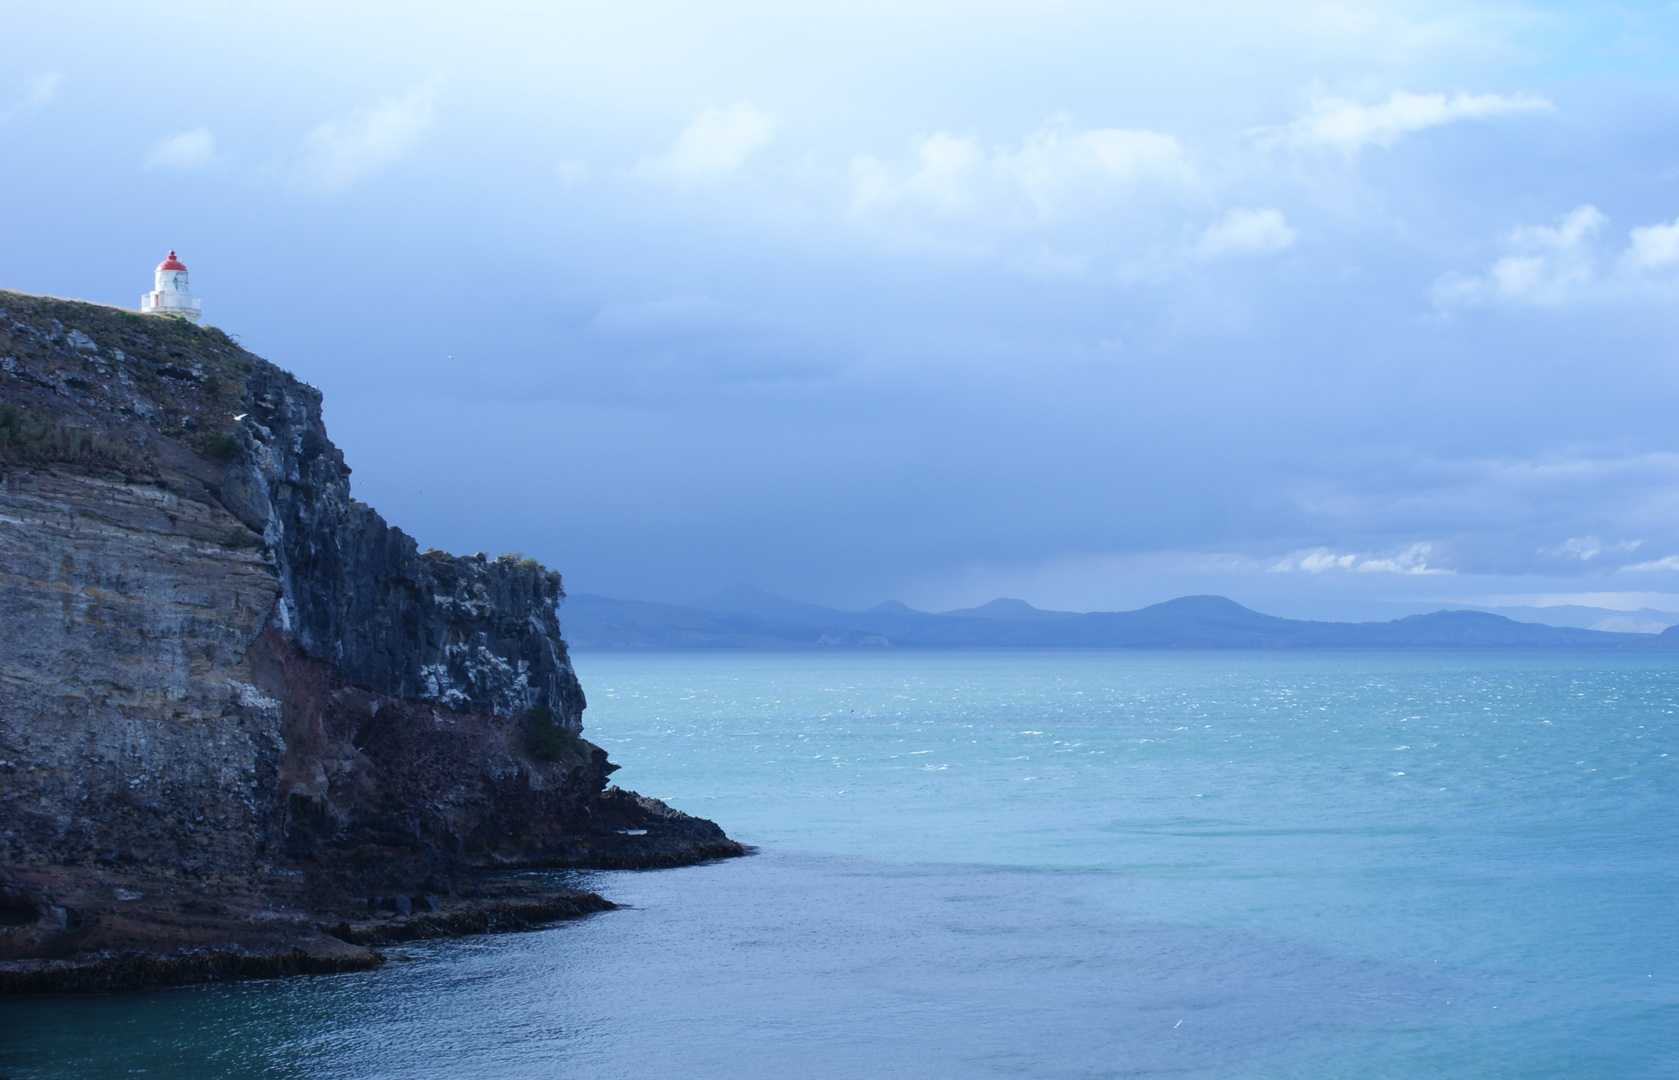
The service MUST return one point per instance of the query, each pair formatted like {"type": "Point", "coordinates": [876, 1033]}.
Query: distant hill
{"type": "Point", "coordinates": [748, 618]}
{"type": "Point", "coordinates": [1010, 610]}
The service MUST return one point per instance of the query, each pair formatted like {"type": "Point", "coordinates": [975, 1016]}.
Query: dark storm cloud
{"type": "Point", "coordinates": [1096, 304]}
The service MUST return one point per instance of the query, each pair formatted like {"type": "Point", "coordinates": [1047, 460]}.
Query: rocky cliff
{"type": "Point", "coordinates": [245, 725]}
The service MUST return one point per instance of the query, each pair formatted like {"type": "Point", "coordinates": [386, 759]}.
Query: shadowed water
{"type": "Point", "coordinates": [1047, 865]}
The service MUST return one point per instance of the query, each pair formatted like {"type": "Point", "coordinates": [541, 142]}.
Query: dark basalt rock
{"type": "Point", "coordinates": [235, 703]}
{"type": "Point", "coordinates": [473, 634]}
{"type": "Point", "coordinates": [101, 974]}
{"type": "Point", "coordinates": [499, 915]}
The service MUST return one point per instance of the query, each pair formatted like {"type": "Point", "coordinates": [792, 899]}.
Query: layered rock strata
{"type": "Point", "coordinates": [238, 711]}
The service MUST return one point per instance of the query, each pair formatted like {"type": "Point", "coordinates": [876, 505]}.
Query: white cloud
{"type": "Point", "coordinates": [1316, 562]}
{"type": "Point", "coordinates": [1413, 560]}
{"type": "Point", "coordinates": [1587, 548]}
{"type": "Point", "coordinates": [1544, 264]}
{"type": "Point", "coordinates": [187, 150]}
{"type": "Point", "coordinates": [1575, 226]}
{"type": "Point", "coordinates": [715, 142]}
{"type": "Point", "coordinates": [352, 147]}
{"type": "Point", "coordinates": [1055, 172]}
{"type": "Point", "coordinates": [1243, 231]}
{"type": "Point", "coordinates": [1057, 164]}
{"type": "Point", "coordinates": [40, 93]}
{"type": "Point", "coordinates": [1584, 548]}
{"type": "Point", "coordinates": [944, 177]}
{"type": "Point", "coordinates": [1653, 247]}
{"type": "Point", "coordinates": [1347, 126]}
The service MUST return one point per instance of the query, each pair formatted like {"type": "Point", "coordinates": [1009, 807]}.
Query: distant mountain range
{"type": "Point", "coordinates": [749, 618]}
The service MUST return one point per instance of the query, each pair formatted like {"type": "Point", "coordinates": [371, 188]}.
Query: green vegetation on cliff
{"type": "Point", "coordinates": [27, 439]}
{"type": "Point", "coordinates": [95, 386]}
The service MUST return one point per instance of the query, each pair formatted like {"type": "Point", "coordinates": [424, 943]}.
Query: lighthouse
{"type": "Point", "coordinates": [169, 294]}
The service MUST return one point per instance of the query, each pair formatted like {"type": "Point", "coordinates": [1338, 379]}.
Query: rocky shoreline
{"type": "Point", "coordinates": [318, 950]}
{"type": "Point", "coordinates": [109, 927]}
{"type": "Point", "coordinates": [247, 728]}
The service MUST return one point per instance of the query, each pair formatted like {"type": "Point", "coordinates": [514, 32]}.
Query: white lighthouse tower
{"type": "Point", "coordinates": [169, 295]}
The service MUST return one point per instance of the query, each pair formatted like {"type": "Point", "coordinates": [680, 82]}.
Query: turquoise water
{"type": "Point", "coordinates": [1047, 865]}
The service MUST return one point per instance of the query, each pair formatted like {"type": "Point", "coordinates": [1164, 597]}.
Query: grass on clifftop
{"type": "Point", "coordinates": [26, 439]}
{"type": "Point", "coordinates": [122, 370]}
{"type": "Point", "coordinates": [529, 565]}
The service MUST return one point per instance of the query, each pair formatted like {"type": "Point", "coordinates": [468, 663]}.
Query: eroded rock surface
{"type": "Point", "coordinates": [237, 707]}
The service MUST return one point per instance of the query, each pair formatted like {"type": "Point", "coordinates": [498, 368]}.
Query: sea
{"type": "Point", "coordinates": [1045, 864]}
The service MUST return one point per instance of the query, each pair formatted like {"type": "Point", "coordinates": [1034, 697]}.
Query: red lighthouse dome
{"type": "Point", "coordinates": [169, 295]}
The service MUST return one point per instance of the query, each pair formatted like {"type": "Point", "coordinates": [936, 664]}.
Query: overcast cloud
{"type": "Point", "coordinates": [1318, 307]}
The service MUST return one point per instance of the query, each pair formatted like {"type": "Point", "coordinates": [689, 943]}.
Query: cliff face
{"type": "Point", "coordinates": [225, 682]}
{"type": "Point", "coordinates": [470, 634]}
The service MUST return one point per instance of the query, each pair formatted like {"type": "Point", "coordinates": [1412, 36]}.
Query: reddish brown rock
{"type": "Point", "coordinates": [236, 706]}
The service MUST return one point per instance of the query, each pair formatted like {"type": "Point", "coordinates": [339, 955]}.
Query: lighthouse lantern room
{"type": "Point", "coordinates": [169, 295]}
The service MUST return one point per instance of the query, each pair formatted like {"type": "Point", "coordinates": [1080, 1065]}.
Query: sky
{"type": "Point", "coordinates": [1329, 308]}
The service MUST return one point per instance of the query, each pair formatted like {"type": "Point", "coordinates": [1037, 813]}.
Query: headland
{"type": "Point", "coordinates": [247, 727]}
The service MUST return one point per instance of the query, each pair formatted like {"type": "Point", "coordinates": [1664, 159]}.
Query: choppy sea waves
{"type": "Point", "coordinates": [1047, 865]}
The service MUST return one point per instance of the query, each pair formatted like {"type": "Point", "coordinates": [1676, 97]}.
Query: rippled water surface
{"type": "Point", "coordinates": [1047, 865]}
